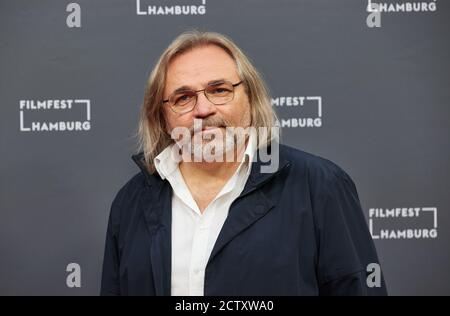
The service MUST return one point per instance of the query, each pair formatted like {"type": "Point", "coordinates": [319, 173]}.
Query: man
{"type": "Point", "coordinates": [191, 225]}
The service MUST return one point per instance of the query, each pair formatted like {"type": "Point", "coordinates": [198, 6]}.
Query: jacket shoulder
{"type": "Point", "coordinates": [136, 182]}
{"type": "Point", "coordinates": [126, 195]}
{"type": "Point", "coordinates": [319, 171]}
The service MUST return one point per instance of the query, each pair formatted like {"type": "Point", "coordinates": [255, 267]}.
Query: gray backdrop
{"type": "Point", "coordinates": [382, 93]}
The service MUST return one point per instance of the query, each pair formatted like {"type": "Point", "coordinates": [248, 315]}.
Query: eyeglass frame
{"type": "Point", "coordinates": [204, 92]}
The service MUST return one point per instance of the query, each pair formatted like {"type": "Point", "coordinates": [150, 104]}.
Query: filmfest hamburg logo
{"type": "Point", "coordinates": [310, 108]}
{"type": "Point", "coordinates": [401, 6]}
{"type": "Point", "coordinates": [47, 115]}
{"type": "Point", "coordinates": [194, 8]}
{"type": "Point", "coordinates": [403, 223]}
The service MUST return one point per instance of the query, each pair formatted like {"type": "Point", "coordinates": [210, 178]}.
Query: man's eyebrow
{"type": "Point", "coordinates": [210, 83]}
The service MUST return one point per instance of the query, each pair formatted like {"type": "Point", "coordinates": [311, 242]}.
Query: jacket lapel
{"type": "Point", "coordinates": [244, 212]}
{"type": "Point", "coordinates": [158, 217]}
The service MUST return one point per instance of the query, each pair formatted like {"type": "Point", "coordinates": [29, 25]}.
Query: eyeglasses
{"type": "Point", "coordinates": [217, 93]}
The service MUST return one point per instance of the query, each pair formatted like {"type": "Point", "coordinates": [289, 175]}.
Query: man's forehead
{"type": "Point", "coordinates": [200, 67]}
{"type": "Point", "coordinates": [214, 82]}
{"type": "Point", "coordinates": [199, 75]}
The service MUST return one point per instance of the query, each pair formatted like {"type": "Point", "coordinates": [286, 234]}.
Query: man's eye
{"type": "Point", "coordinates": [183, 98]}
{"type": "Point", "coordinates": [220, 90]}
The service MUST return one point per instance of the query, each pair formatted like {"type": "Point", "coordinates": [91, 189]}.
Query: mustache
{"type": "Point", "coordinates": [213, 121]}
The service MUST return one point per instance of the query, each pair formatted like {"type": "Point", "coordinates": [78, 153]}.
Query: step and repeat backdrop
{"type": "Point", "coordinates": [362, 83]}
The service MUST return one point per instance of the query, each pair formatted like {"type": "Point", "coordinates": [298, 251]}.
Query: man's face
{"type": "Point", "coordinates": [195, 69]}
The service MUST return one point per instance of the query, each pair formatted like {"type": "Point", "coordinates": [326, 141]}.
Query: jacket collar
{"type": "Point", "coordinates": [256, 177]}
{"type": "Point", "coordinates": [157, 208]}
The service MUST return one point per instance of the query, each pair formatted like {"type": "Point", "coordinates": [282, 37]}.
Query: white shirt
{"type": "Point", "coordinates": [193, 233]}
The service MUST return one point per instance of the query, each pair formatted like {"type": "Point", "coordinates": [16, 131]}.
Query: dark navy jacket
{"type": "Point", "coordinates": [297, 231]}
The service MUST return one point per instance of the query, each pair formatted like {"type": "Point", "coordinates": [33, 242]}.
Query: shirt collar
{"type": "Point", "coordinates": [165, 164]}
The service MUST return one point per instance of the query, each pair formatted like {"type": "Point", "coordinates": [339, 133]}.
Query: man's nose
{"type": "Point", "coordinates": [204, 107]}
